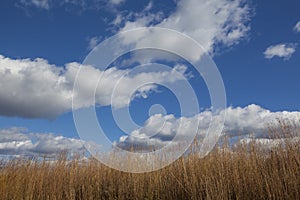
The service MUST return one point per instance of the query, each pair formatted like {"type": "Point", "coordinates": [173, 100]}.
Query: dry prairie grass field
{"type": "Point", "coordinates": [245, 171]}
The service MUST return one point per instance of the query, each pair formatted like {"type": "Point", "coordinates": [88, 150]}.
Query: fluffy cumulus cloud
{"type": "Point", "coordinates": [297, 27]}
{"type": "Point", "coordinates": [248, 122]}
{"type": "Point", "coordinates": [284, 51]}
{"type": "Point", "coordinates": [37, 89]}
{"type": "Point", "coordinates": [20, 142]}
{"type": "Point", "coordinates": [33, 88]}
{"type": "Point", "coordinates": [209, 22]}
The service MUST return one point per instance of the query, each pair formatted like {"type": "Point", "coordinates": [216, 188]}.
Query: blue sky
{"type": "Point", "coordinates": [255, 46]}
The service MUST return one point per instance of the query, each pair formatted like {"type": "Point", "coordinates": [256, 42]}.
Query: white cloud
{"type": "Point", "coordinates": [33, 88]}
{"type": "Point", "coordinates": [116, 2]}
{"type": "Point", "coordinates": [37, 89]}
{"type": "Point", "coordinates": [244, 122]}
{"type": "Point", "coordinates": [68, 5]}
{"type": "Point", "coordinates": [93, 42]}
{"type": "Point", "coordinates": [43, 4]}
{"type": "Point", "coordinates": [266, 144]}
{"type": "Point", "coordinates": [149, 6]}
{"type": "Point", "coordinates": [208, 22]}
{"type": "Point", "coordinates": [297, 27]}
{"type": "Point", "coordinates": [251, 123]}
{"type": "Point", "coordinates": [280, 50]}
{"type": "Point", "coordinates": [117, 21]}
{"type": "Point", "coordinates": [18, 141]}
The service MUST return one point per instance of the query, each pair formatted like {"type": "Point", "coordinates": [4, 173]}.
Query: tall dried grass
{"type": "Point", "coordinates": [247, 172]}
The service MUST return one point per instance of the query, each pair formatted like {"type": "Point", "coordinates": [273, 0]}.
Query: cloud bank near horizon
{"type": "Point", "coordinates": [16, 141]}
{"type": "Point", "coordinates": [251, 121]}
{"type": "Point", "coordinates": [248, 123]}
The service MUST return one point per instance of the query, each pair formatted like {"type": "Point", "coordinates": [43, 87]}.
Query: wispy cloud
{"type": "Point", "coordinates": [297, 27]}
{"type": "Point", "coordinates": [116, 2]}
{"type": "Point", "coordinates": [42, 4]}
{"type": "Point", "coordinates": [93, 41]}
{"type": "Point", "coordinates": [284, 51]}
{"type": "Point", "coordinates": [80, 5]}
